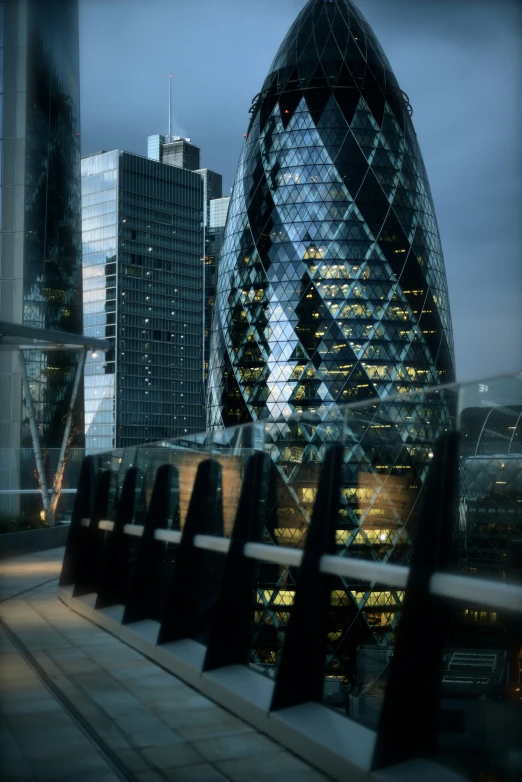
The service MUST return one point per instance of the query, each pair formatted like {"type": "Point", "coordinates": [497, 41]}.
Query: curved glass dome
{"type": "Point", "coordinates": [331, 283]}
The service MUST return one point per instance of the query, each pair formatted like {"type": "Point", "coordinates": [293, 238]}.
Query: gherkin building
{"type": "Point", "coordinates": [332, 257]}
{"type": "Point", "coordinates": [331, 290]}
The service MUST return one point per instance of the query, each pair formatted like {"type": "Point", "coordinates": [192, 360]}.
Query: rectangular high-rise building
{"type": "Point", "coordinates": [212, 188]}
{"type": "Point", "coordinates": [174, 151]}
{"type": "Point", "coordinates": [214, 216]}
{"type": "Point", "coordinates": [143, 291]}
{"type": "Point", "coordinates": [40, 257]}
{"type": "Point", "coordinates": [214, 235]}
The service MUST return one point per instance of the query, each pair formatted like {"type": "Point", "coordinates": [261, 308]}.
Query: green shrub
{"type": "Point", "coordinates": [18, 522]}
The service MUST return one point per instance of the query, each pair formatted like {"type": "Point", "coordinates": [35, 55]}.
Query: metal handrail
{"type": "Point", "coordinates": [478, 591]}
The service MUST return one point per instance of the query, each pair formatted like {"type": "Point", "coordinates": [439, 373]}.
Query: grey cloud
{"type": "Point", "coordinates": [458, 60]}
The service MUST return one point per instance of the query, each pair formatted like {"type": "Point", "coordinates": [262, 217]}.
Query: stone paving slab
{"type": "Point", "coordinates": [30, 571]}
{"type": "Point", "coordinates": [38, 740]}
{"type": "Point", "coordinates": [154, 725]}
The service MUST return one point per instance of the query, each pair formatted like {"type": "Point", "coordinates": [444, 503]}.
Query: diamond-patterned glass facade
{"type": "Point", "coordinates": [332, 289]}
{"type": "Point", "coordinates": [332, 285]}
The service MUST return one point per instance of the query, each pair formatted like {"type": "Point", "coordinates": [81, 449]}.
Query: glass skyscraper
{"type": "Point", "coordinates": [182, 154]}
{"type": "Point", "coordinates": [212, 189]}
{"type": "Point", "coordinates": [332, 285]}
{"type": "Point", "coordinates": [214, 235]}
{"type": "Point", "coordinates": [332, 289]}
{"type": "Point", "coordinates": [218, 211]}
{"type": "Point", "coordinates": [40, 261]}
{"type": "Point", "coordinates": [143, 291]}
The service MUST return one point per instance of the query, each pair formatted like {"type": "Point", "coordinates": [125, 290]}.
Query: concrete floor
{"type": "Point", "coordinates": [77, 704]}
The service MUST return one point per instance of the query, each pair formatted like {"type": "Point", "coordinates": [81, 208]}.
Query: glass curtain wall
{"type": "Point", "coordinates": [160, 321]}
{"type": "Point", "coordinates": [52, 253]}
{"type": "Point", "coordinates": [100, 263]}
{"type": "Point", "coordinates": [332, 286]}
{"type": "Point", "coordinates": [143, 279]}
{"type": "Point", "coordinates": [214, 236]}
{"type": "Point", "coordinates": [40, 266]}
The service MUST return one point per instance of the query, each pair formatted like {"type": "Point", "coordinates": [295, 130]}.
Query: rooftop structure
{"type": "Point", "coordinates": [174, 151]}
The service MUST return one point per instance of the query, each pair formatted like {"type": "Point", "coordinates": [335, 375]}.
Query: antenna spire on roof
{"type": "Point", "coordinates": [170, 108]}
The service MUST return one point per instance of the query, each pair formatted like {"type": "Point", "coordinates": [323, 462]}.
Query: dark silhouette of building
{"type": "Point", "coordinates": [40, 266]}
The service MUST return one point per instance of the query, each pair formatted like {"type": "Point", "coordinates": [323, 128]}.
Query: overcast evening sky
{"type": "Point", "coordinates": [460, 62]}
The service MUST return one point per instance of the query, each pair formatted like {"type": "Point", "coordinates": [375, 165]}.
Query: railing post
{"type": "Point", "coordinates": [113, 574]}
{"type": "Point", "coordinates": [414, 683]}
{"type": "Point", "coordinates": [91, 539]}
{"type": "Point", "coordinates": [83, 502]}
{"type": "Point", "coordinates": [192, 595]}
{"type": "Point", "coordinates": [300, 677]}
{"type": "Point", "coordinates": [229, 635]}
{"type": "Point", "coordinates": [142, 595]}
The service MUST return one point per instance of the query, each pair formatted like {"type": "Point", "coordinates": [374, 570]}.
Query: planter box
{"type": "Point", "coordinates": [13, 544]}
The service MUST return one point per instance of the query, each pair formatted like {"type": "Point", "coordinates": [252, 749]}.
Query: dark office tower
{"type": "Point", "coordinates": [182, 154]}
{"type": "Point", "coordinates": [174, 151]}
{"type": "Point", "coordinates": [143, 291]}
{"type": "Point", "coordinates": [212, 188]}
{"type": "Point", "coordinates": [332, 286]}
{"type": "Point", "coordinates": [214, 235]}
{"type": "Point", "coordinates": [40, 266]}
